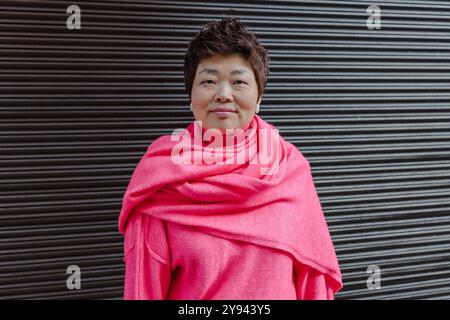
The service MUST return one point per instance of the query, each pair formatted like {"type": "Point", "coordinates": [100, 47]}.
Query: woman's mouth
{"type": "Point", "coordinates": [223, 112]}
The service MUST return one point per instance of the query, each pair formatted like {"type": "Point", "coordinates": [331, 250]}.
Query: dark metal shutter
{"type": "Point", "coordinates": [368, 108]}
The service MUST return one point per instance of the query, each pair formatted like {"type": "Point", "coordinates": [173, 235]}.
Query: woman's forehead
{"type": "Point", "coordinates": [233, 65]}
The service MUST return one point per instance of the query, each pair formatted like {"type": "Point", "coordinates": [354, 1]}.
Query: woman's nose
{"type": "Point", "coordinates": [224, 92]}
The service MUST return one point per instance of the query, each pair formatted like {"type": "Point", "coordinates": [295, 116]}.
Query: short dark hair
{"type": "Point", "coordinates": [226, 37]}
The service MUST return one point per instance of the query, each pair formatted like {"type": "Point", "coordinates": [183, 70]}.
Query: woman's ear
{"type": "Point", "coordinates": [257, 105]}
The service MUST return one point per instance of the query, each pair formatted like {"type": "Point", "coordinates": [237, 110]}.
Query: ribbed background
{"type": "Point", "coordinates": [369, 109]}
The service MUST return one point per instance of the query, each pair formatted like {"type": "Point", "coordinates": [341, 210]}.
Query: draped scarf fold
{"type": "Point", "coordinates": [258, 189]}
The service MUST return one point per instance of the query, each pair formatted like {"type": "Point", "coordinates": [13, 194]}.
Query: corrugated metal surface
{"type": "Point", "coordinates": [368, 108]}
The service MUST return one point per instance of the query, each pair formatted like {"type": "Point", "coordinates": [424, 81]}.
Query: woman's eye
{"type": "Point", "coordinates": [240, 82]}
{"type": "Point", "coordinates": [207, 82]}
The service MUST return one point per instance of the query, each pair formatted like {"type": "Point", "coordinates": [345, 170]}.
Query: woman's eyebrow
{"type": "Point", "coordinates": [239, 71]}
{"type": "Point", "coordinates": [213, 71]}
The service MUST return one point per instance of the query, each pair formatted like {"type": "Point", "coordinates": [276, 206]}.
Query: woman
{"type": "Point", "coordinates": [226, 209]}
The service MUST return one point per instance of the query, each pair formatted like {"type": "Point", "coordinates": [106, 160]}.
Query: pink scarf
{"type": "Point", "coordinates": [259, 190]}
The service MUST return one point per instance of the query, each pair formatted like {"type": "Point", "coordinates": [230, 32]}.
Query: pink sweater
{"type": "Point", "coordinates": [166, 260]}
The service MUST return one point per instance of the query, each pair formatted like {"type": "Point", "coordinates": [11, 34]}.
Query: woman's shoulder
{"type": "Point", "coordinates": [295, 154]}
{"type": "Point", "coordinates": [160, 141]}
{"type": "Point", "coordinates": [162, 144]}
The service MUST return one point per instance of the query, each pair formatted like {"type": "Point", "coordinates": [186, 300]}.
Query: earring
{"type": "Point", "coordinates": [190, 106]}
{"type": "Point", "coordinates": [257, 108]}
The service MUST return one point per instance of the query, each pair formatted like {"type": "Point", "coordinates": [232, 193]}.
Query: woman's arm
{"type": "Point", "coordinates": [147, 259]}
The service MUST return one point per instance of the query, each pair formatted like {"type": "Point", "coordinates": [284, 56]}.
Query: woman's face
{"type": "Point", "coordinates": [224, 83]}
